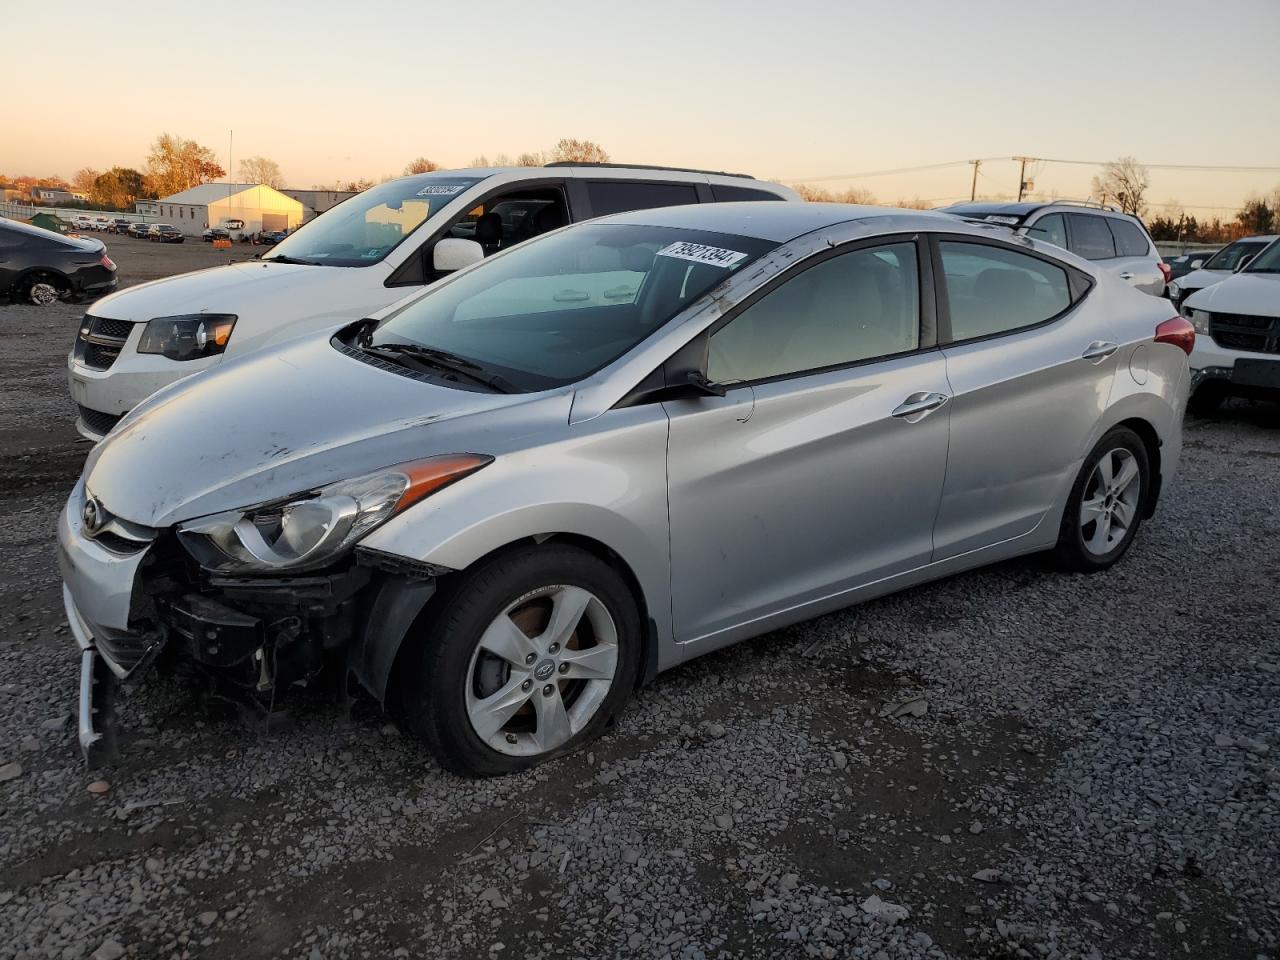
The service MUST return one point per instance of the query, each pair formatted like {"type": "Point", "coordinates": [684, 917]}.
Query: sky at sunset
{"type": "Point", "coordinates": [789, 91]}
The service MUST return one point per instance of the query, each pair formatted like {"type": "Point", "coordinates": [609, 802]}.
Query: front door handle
{"type": "Point", "coordinates": [1099, 350]}
{"type": "Point", "coordinates": [1126, 275]}
{"type": "Point", "coordinates": [919, 405]}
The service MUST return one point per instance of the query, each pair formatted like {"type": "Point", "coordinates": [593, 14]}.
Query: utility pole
{"type": "Point", "coordinates": [973, 189]}
{"type": "Point", "coordinates": [1022, 174]}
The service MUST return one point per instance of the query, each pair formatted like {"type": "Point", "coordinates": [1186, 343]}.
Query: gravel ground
{"type": "Point", "coordinates": [1010, 763]}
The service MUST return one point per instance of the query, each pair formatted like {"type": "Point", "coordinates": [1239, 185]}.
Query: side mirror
{"type": "Point", "coordinates": [1197, 264]}
{"type": "Point", "coordinates": [1244, 262]}
{"type": "Point", "coordinates": [454, 253]}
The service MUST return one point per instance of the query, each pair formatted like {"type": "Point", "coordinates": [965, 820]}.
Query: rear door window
{"type": "Point", "coordinates": [991, 290]}
{"type": "Point", "coordinates": [1090, 237]}
{"type": "Point", "coordinates": [1130, 241]}
{"type": "Point", "coordinates": [619, 196]}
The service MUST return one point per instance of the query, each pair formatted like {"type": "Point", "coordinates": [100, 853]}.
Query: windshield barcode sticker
{"type": "Point", "coordinates": [441, 190]}
{"type": "Point", "coordinates": [701, 253]}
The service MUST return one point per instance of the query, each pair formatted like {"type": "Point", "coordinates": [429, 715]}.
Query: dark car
{"type": "Point", "coordinates": [39, 266]}
{"type": "Point", "coordinates": [165, 233]}
{"type": "Point", "coordinates": [122, 225]}
{"type": "Point", "coordinates": [215, 233]}
{"type": "Point", "coordinates": [1184, 263]}
{"type": "Point", "coordinates": [270, 237]}
{"type": "Point", "coordinates": [139, 230]}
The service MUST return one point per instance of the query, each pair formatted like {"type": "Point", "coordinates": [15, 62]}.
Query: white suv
{"type": "Point", "coordinates": [1114, 240]}
{"type": "Point", "coordinates": [1237, 321]}
{"type": "Point", "coordinates": [1217, 267]}
{"type": "Point", "coordinates": [360, 256]}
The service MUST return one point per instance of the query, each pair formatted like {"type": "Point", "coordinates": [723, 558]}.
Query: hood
{"type": "Point", "coordinates": [289, 419]}
{"type": "Point", "coordinates": [273, 302]}
{"type": "Point", "coordinates": [1252, 293]}
{"type": "Point", "coordinates": [1199, 279]}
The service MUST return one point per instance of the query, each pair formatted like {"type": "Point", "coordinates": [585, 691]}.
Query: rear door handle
{"type": "Point", "coordinates": [1126, 275]}
{"type": "Point", "coordinates": [919, 405]}
{"type": "Point", "coordinates": [1099, 350]}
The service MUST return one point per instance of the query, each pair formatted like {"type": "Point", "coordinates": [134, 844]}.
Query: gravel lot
{"type": "Point", "coordinates": [1095, 773]}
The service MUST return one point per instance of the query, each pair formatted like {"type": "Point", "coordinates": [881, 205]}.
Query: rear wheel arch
{"type": "Point", "coordinates": [48, 274]}
{"type": "Point", "coordinates": [1151, 441]}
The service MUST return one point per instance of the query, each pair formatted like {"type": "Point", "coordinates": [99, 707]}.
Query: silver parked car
{"type": "Point", "coordinates": [507, 501]}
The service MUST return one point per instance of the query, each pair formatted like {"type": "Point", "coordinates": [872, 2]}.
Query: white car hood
{"type": "Point", "coordinates": [1252, 293]}
{"type": "Point", "coordinates": [269, 299]}
{"type": "Point", "coordinates": [1199, 279]}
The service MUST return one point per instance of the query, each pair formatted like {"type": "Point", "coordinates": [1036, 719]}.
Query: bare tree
{"type": "Point", "coordinates": [1125, 182]}
{"type": "Point", "coordinates": [534, 159]}
{"type": "Point", "coordinates": [822, 195]}
{"type": "Point", "coordinates": [261, 170]}
{"type": "Point", "coordinates": [578, 151]}
{"type": "Point", "coordinates": [479, 161]}
{"type": "Point", "coordinates": [84, 179]}
{"type": "Point", "coordinates": [420, 165]}
{"type": "Point", "coordinates": [174, 165]}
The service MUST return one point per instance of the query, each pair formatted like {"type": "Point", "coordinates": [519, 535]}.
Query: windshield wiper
{"type": "Point", "coordinates": [285, 258]}
{"type": "Point", "coordinates": [443, 360]}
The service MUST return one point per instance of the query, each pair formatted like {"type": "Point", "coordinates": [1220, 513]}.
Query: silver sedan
{"type": "Point", "coordinates": [505, 503]}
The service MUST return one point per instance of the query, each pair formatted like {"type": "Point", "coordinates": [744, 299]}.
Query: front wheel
{"type": "Point", "coordinates": [1106, 503]}
{"type": "Point", "coordinates": [524, 659]}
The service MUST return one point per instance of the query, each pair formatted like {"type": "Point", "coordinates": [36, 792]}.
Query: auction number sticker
{"type": "Point", "coordinates": [441, 189]}
{"type": "Point", "coordinates": [701, 253]}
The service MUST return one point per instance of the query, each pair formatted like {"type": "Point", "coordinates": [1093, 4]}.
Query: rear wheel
{"type": "Point", "coordinates": [1105, 507]}
{"type": "Point", "coordinates": [524, 659]}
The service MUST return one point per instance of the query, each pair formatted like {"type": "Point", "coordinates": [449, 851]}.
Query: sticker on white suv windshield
{"type": "Point", "coordinates": [441, 190]}
{"type": "Point", "coordinates": [998, 218]}
{"type": "Point", "coordinates": [701, 253]}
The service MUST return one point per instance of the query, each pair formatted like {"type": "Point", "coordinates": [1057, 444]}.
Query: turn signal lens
{"type": "Point", "coordinates": [434, 473]}
{"type": "Point", "coordinates": [1179, 332]}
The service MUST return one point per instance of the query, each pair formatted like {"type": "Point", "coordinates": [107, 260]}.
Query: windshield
{"type": "Point", "coordinates": [555, 310]}
{"type": "Point", "coordinates": [1232, 254]}
{"type": "Point", "coordinates": [365, 228]}
{"type": "Point", "coordinates": [1268, 261]}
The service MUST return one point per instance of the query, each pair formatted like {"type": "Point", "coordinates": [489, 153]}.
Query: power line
{"type": "Point", "coordinates": [883, 173]}
{"type": "Point", "coordinates": [1208, 167]}
{"type": "Point", "coordinates": [1204, 167]}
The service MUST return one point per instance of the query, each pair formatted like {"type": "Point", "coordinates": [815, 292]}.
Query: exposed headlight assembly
{"type": "Point", "coordinates": [187, 337]}
{"type": "Point", "coordinates": [1174, 289]}
{"type": "Point", "coordinates": [313, 529]}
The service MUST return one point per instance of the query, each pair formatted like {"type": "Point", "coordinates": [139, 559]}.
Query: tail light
{"type": "Point", "coordinates": [108, 262]}
{"type": "Point", "coordinates": [1166, 270]}
{"type": "Point", "coordinates": [1178, 332]}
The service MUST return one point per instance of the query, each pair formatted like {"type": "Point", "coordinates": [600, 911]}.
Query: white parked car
{"type": "Point", "coordinates": [1234, 256]}
{"type": "Point", "coordinates": [360, 256]}
{"type": "Point", "coordinates": [82, 223]}
{"type": "Point", "coordinates": [104, 223]}
{"type": "Point", "coordinates": [1237, 352]}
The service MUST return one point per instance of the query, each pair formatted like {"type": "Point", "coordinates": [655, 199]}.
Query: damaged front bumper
{"type": "Point", "coordinates": [128, 604]}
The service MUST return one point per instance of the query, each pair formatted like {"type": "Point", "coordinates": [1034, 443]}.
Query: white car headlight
{"type": "Point", "coordinates": [1174, 289]}
{"type": "Point", "coordinates": [1199, 319]}
{"type": "Point", "coordinates": [314, 528]}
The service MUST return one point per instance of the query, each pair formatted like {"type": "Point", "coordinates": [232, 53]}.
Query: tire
{"type": "Point", "coordinates": [40, 290]}
{"type": "Point", "coordinates": [541, 700]}
{"type": "Point", "coordinates": [1117, 507]}
{"type": "Point", "coordinates": [1209, 396]}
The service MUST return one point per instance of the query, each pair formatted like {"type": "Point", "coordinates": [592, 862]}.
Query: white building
{"type": "Point", "coordinates": [316, 202]}
{"type": "Point", "coordinates": [210, 204]}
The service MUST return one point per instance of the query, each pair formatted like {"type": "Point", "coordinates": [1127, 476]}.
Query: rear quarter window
{"type": "Point", "coordinates": [1130, 241]}
{"type": "Point", "coordinates": [725, 193]}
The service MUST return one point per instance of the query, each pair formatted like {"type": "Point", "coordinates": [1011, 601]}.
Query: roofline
{"type": "Point", "coordinates": [648, 166]}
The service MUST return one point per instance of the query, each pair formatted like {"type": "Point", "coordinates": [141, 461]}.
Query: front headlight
{"type": "Point", "coordinates": [187, 337]}
{"type": "Point", "coordinates": [314, 528]}
{"type": "Point", "coordinates": [1174, 289]}
{"type": "Point", "coordinates": [1199, 319]}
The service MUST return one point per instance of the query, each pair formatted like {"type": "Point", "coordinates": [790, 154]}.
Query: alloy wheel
{"type": "Point", "coordinates": [1109, 506]}
{"type": "Point", "coordinates": [42, 294]}
{"type": "Point", "coordinates": [541, 670]}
